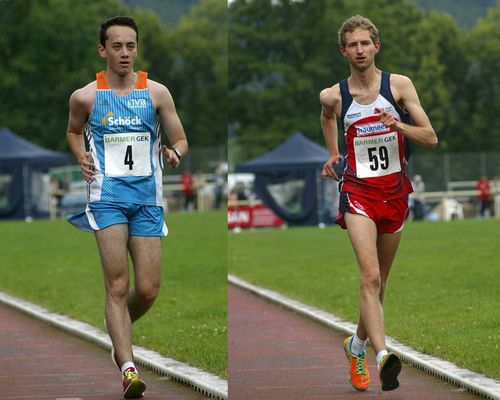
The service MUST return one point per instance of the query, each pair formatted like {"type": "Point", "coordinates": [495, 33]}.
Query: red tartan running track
{"type": "Point", "coordinates": [275, 354]}
{"type": "Point", "coordinates": [38, 361]}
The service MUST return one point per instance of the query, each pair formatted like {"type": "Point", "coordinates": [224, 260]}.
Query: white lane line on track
{"type": "Point", "coordinates": [204, 382]}
{"type": "Point", "coordinates": [445, 370]}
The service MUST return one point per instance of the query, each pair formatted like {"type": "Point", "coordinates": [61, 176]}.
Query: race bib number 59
{"type": "Point", "coordinates": [127, 154]}
{"type": "Point", "coordinates": [377, 155]}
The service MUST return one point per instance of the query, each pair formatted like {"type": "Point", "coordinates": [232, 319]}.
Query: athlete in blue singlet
{"type": "Point", "coordinates": [119, 113]}
{"type": "Point", "coordinates": [374, 187]}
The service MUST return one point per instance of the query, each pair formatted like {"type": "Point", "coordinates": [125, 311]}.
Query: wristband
{"type": "Point", "coordinates": [177, 153]}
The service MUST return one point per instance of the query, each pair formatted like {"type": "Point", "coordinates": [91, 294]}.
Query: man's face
{"type": "Point", "coordinates": [120, 50]}
{"type": "Point", "coordinates": [360, 49]}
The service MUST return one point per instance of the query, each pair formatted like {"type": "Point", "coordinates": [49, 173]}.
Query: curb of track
{"type": "Point", "coordinates": [204, 382]}
{"type": "Point", "coordinates": [445, 370]}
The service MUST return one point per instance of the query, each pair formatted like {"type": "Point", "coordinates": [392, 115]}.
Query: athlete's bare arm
{"type": "Point", "coordinates": [330, 108]}
{"type": "Point", "coordinates": [80, 104]}
{"type": "Point", "coordinates": [170, 122]}
{"type": "Point", "coordinates": [405, 94]}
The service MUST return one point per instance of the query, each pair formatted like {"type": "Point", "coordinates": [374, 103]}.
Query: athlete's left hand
{"type": "Point", "coordinates": [387, 119]}
{"type": "Point", "coordinates": [170, 156]}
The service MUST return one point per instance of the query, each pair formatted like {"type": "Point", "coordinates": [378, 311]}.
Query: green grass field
{"type": "Point", "coordinates": [443, 292]}
{"type": "Point", "coordinates": [57, 266]}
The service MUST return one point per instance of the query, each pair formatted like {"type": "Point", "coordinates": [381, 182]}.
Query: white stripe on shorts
{"type": "Point", "coordinates": [90, 217]}
{"type": "Point", "coordinates": [358, 211]}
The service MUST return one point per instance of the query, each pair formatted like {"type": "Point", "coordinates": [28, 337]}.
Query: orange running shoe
{"type": "Point", "coordinates": [133, 387]}
{"type": "Point", "coordinates": [390, 367]}
{"type": "Point", "coordinates": [359, 377]}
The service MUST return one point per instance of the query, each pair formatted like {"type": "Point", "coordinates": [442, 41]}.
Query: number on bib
{"type": "Point", "coordinates": [128, 158]}
{"type": "Point", "coordinates": [377, 155]}
{"type": "Point", "coordinates": [127, 154]}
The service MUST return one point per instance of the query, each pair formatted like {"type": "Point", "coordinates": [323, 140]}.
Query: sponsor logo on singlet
{"type": "Point", "coordinates": [137, 103]}
{"type": "Point", "coordinates": [371, 128]}
{"type": "Point", "coordinates": [111, 120]}
{"type": "Point", "coordinates": [125, 139]}
{"type": "Point", "coordinates": [353, 115]}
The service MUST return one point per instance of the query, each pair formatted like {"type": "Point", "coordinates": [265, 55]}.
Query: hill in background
{"type": "Point", "coordinates": [466, 12]}
{"type": "Point", "coordinates": [169, 11]}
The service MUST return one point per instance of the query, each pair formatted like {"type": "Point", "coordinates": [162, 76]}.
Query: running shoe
{"type": "Point", "coordinates": [359, 377]}
{"type": "Point", "coordinates": [390, 367]}
{"type": "Point", "coordinates": [133, 387]}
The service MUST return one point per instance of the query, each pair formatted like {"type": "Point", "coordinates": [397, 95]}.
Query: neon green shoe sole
{"type": "Point", "coordinates": [135, 389]}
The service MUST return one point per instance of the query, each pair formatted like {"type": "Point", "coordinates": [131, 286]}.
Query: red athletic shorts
{"type": "Point", "coordinates": [389, 215]}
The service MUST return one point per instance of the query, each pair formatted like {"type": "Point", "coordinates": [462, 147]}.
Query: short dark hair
{"type": "Point", "coordinates": [120, 21]}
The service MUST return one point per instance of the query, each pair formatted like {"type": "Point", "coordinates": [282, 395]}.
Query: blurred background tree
{"type": "Point", "coordinates": [283, 53]}
{"type": "Point", "coordinates": [49, 49]}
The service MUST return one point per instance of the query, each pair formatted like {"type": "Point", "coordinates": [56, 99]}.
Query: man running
{"type": "Point", "coordinates": [372, 106]}
{"type": "Point", "coordinates": [123, 169]}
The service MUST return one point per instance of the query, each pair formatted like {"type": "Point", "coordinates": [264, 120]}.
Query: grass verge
{"type": "Point", "coordinates": [442, 296]}
{"type": "Point", "coordinates": [57, 266]}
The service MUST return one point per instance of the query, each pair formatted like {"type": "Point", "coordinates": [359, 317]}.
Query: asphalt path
{"type": "Point", "coordinates": [276, 354]}
{"type": "Point", "coordinates": [41, 362]}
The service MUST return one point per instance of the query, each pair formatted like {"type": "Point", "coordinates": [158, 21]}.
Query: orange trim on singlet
{"type": "Point", "coordinates": [141, 83]}
{"type": "Point", "coordinates": [142, 80]}
{"type": "Point", "coordinates": [101, 80]}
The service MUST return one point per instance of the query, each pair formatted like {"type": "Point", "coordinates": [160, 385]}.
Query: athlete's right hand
{"type": "Point", "coordinates": [87, 167]}
{"type": "Point", "coordinates": [328, 170]}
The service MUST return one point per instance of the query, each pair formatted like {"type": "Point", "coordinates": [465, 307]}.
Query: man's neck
{"type": "Point", "coordinates": [365, 79]}
{"type": "Point", "coordinates": [121, 83]}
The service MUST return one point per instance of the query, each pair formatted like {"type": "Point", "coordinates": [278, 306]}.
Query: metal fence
{"type": "Point", "coordinates": [438, 170]}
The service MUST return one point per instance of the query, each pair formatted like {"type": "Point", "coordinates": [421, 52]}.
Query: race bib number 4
{"type": "Point", "coordinates": [127, 154]}
{"type": "Point", "coordinates": [377, 155]}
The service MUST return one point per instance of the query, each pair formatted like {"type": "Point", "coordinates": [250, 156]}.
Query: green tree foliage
{"type": "Point", "coordinates": [169, 11]}
{"type": "Point", "coordinates": [466, 12]}
{"type": "Point", "coordinates": [197, 74]}
{"type": "Point", "coordinates": [481, 117]}
{"type": "Point", "coordinates": [282, 53]}
{"type": "Point", "coordinates": [49, 49]}
{"type": "Point", "coordinates": [280, 57]}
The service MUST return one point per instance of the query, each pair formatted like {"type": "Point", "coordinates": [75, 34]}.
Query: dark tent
{"type": "Point", "coordinates": [288, 180]}
{"type": "Point", "coordinates": [22, 165]}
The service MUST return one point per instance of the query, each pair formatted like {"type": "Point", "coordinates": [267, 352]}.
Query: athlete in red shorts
{"type": "Point", "coordinates": [374, 107]}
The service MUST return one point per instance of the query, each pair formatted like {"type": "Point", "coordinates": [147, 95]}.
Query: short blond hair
{"type": "Point", "coordinates": [353, 23]}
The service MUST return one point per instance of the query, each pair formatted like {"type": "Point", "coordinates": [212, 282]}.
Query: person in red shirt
{"type": "Point", "coordinates": [372, 105]}
{"type": "Point", "coordinates": [483, 187]}
{"type": "Point", "coordinates": [187, 182]}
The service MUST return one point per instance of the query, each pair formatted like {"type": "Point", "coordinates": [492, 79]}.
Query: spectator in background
{"type": "Point", "coordinates": [483, 188]}
{"type": "Point", "coordinates": [219, 185]}
{"type": "Point", "coordinates": [188, 189]}
{"type": "Point", "coordinates": [59, 187]}
{"type": "Point", "coordinates": [240, 192]}
{"type": "Point", "coordinates": [418, 199]}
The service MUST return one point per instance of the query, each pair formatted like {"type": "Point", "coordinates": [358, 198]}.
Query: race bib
{"type": "Point", "coordinates": [377, 155]}
{"type": "Point", "coordinates": [127, 154]}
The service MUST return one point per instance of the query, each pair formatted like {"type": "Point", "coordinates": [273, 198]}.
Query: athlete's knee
{"type": "Point", "coordinates": [371, 281]}
{"type": "Point", "coordinates": [118, 288]}
{"type": "Point", "coordinates": [147, 291]}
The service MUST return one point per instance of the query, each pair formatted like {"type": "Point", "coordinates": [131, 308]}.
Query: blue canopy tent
{"type": "Point", "coordinates": [21, 162]}
{"type": "Point", "coordinates": [288, 180]}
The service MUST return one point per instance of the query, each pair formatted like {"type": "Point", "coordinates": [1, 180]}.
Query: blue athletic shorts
{"type": "Point", "coordinates": [142, 220]}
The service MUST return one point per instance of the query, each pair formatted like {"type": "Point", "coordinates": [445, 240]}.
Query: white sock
{"type": "Point", "coordinates": [358, 346]}
{"type": "Point", "coordinates": [127, 365]}
{"type": "Point", "coordinates": [380, 356]}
